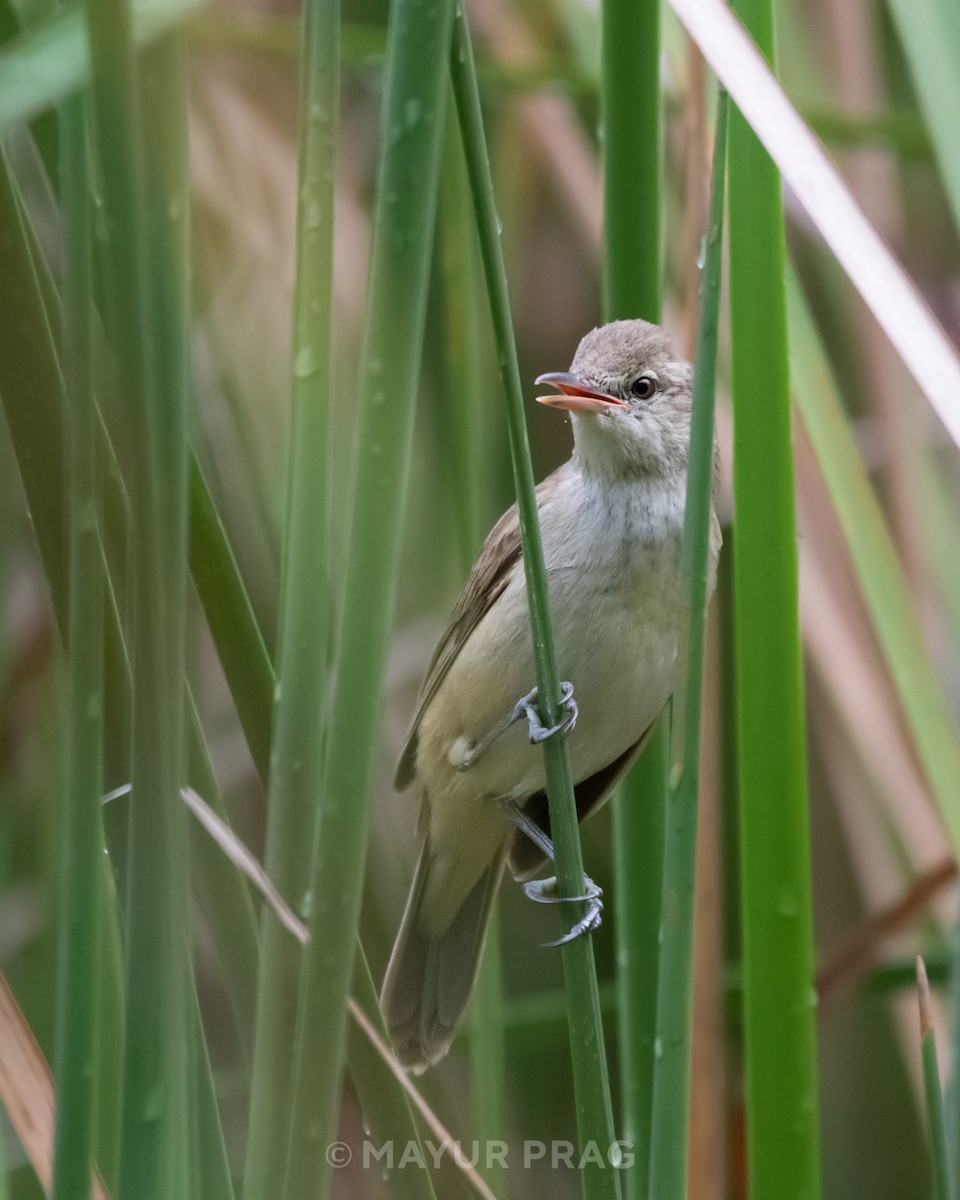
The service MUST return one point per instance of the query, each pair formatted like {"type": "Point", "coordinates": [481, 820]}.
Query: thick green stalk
{"type": "Point", "coordinates": [411, 134]}
{"type": "Point", "coordinates": [296, 761]}
{"type": "Point", "coordinates": [671, 1090]}
{"type": "Point", "coordinates": [80, 818]}
{"type": "Point", "coordinates": [779, 1029]}
{"type": "Point", "coordinates": [591, 1084]}
{"type": "Point", "coordinates": [147, 338]}
{"type": "Point", "coordinates": [630, 106]}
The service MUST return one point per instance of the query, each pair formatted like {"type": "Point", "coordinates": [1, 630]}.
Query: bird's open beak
{"type": "Point", "coordinates": [577, 397]}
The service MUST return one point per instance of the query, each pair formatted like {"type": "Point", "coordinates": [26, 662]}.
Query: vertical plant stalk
{"type": "Point", "coordinates": [942, 1189]}
{"type": "Point", "coordinates": [630, 102]}
{"type": "Point", "coordinates": [671, 1090]}
{"type": "Point", "coordinates": [630, 105]}
{"type": "Point", "coordinates": [779, 1029]}
{"type": "Point", "coordinates": [147, 338]}
{"type": "Point", "coordinates": [466, 413]}
{"type": "Point", "coordinates": [591, 1084]}
{"type": "Point", "coordinates": [296, 761]}
{"type": "Point", "coordinates": [80, 841]}
{"type": "Point", "coordinates": [411, 134]}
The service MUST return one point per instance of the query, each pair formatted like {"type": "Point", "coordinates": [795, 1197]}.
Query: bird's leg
{"type": "Point", "coordinates": [543, 891]}
{"type": "Point", "coordinates": [526, 706]}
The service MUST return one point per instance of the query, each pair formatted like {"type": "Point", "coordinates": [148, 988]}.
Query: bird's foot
{"type": "Point", "coordinates": [544, 891]}
{"type": "Point", "coordinates": [528, 706]}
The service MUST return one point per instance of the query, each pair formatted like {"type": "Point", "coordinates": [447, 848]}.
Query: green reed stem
{"type": "Point", "coordinates": [411, 135]}
{"type": "Point", "coordinates": [630, 106]}
{"type": "Point", "coordinates": [591, 1084]}
{"type": "Point", "coordinates": [147, 338]}
{"type": "Point", "coordinates": [81, 839]}
{"type": "Point", "coordinates": [779, 1029]}
{"type": "Point", "coordinates": [671, 1091]}
{"type": "Point", "coordinates": [296, 761]}
{"type": "Point", "coordinates": [466, 412]}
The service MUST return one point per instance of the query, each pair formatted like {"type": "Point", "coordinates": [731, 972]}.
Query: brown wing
{"type": "Point", "coordinates": [488, 577]}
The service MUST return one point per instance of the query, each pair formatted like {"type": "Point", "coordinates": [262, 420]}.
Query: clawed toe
{"type": "Point", "coordinates": [543, 891]}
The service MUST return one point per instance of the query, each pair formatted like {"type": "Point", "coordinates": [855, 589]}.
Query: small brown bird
{"type": "Point", "coordinates": [612, 521]}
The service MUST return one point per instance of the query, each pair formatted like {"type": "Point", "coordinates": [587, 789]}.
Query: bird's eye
{"type": "Point", "coordinates": [644, 387]}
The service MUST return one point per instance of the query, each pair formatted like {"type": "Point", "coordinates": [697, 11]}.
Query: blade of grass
{"type": "Point", "coordinates": [671, 1087]}
{"type": "Point", "coordinates": [929, 32]}
{"type": "Point", "coordinates": [233, 626]}
{"type": "Point", "coordinates": [931, 1089]}
{"type": "Point", "coordinates": [630, 107]}
{"type": "Point", "coordinates": [781, 1089]}
{"type": "Point", "coordinates": [411, 136]}
{"type": "Point", "coordinates": [296, 762]}
{"type": "Point", "coordinates": [147, 336]}
{"type": "Point", "coordinates": [81, 838]}
{"type": "Point", "coordinates": [878, 569]}
{"type": "Point", "coordinates": [591, 1084]}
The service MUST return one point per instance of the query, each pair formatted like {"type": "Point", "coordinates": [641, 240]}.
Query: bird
{"type": "Point", "coordinates": [611, 521]}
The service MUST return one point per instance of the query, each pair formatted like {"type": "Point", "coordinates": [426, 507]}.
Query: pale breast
{"type": "Point", "coordinates": [613, 562]}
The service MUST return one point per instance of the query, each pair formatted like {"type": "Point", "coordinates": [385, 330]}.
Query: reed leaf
{"type": "Point", "coordinates": [779, 1031]}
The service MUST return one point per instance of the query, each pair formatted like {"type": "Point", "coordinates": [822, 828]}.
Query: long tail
{"type": "Point", "coordinates": [430, 976]}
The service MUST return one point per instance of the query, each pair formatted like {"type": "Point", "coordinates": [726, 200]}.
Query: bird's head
{"type": "Point", "coordinates": [630, 396]}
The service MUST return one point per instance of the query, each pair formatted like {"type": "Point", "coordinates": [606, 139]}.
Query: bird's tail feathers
{"type": "Point", "coordinates": [431, 975]}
